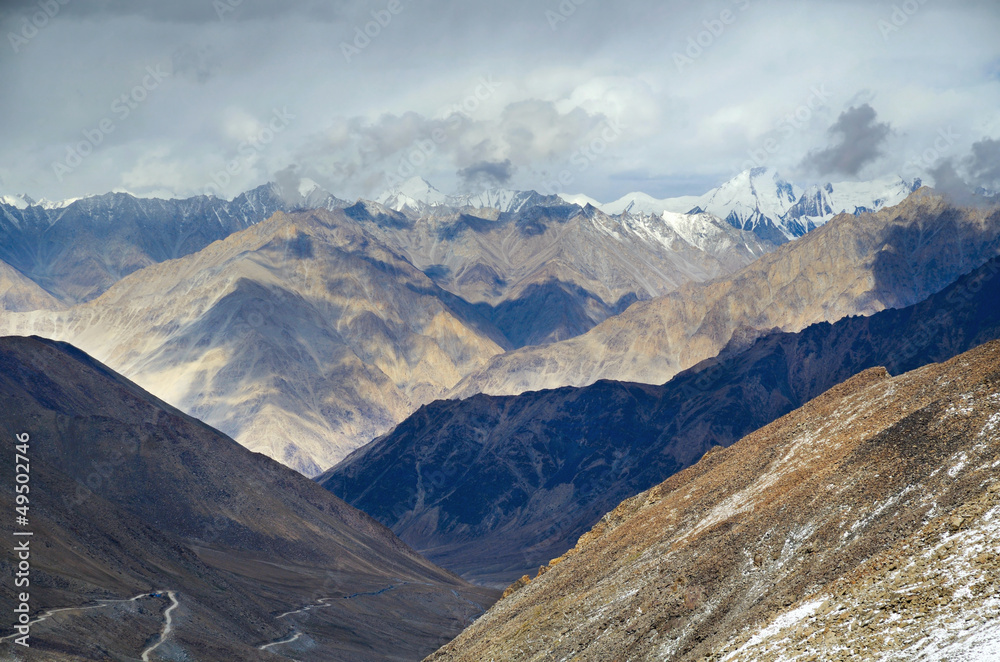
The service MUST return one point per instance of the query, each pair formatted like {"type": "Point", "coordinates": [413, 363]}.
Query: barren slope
{"type": "Point", "coordinates": [873, 508]}
{"type": "Point", "coordinates": [18, 293]}
{"type": "Point", "coordinates": [129, 496]}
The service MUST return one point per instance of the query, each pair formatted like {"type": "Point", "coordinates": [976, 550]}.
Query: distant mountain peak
{"type": "Point", "coordinates": [419, 195]}
{"type": "Point", "coordinates": [23, 201]}
{"type": "Point", "coordinates": [760, 200]}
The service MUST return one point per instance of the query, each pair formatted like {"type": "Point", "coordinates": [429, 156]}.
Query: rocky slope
{"type": "Point", "coordinates": [130, 497]}
{"type": "Point", "coordinates": [493, 486]}
{"type": "Point", "coordinates": [853, 265]}
{"type": "Point", "coordinates": [862, 525]}
{"type": "Point", "coordinates": [302, 336]}
{"type": "Point", "coordinates": [553, 271]}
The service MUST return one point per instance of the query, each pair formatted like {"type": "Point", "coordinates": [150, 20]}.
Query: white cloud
{"type": "Point", "coordinates": [682, 131]}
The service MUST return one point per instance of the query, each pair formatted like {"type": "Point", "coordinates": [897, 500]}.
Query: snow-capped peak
{"type": "Point", "coordinates": [761, 201]}
{"type": "Point", "coordinates": [307, 186]}
{"type": "Point", "coordinates": [418, 194]}
{"type": "Point", "coordinates": [303, 193]}
{"type": "Point", "coordinates": [414, 193]}
{"type": "Point", "coordinates": [820, 203]}
{"type": "Point", "coordinates": [23, 201]}
{"type": "Point", "coordinates": [580, 200]}
{"type": "Point", "coordinates": [754, 198]}
{"type": "Point", "coordinates": [642, 203]}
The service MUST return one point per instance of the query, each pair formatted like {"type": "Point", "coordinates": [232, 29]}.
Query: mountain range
{"type": "Point", "coordinates": [156, 535]}
{"type": "Point", "coordinates": [304, 325]}
{"type": "Point", "coordinates": [308, 334]}
{"type": "Point", "coordinates": [852, 265]}
{"type": "Point", "coordinates": [77, 249]}
{"type": "Point", "coordinates": [305, 336]}
{"type": "Point", "coordinates": [761, 201]}
{"type": "Point", "coordinates": [864, 525]}
{"type": "Point", "coordinates": [492, 487]}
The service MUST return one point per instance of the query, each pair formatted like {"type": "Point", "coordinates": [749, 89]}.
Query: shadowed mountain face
{"type": "Point", "coordinates": [550, 272]}
{"type": "Point", "coordinates": [853, 265]}
{"type": "Point", "coordinates": [79, 251]}
{"type": "Point", "coordinates": [300, 336]}
{"type": "Point", "coordinates": [19, 294]}
{"type": "Point", "coordinates": [491, 487]}
{"type": "Point", "coordinates": [129, 496]}
{"type": "Point", "coordinates": [878, 498]}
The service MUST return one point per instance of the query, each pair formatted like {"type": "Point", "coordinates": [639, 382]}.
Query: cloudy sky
{"type": "Point", "coordinates": [577, 96]}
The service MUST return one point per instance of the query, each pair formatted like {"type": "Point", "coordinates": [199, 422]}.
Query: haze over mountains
{"type": "Point", "coordinates": [494, 486]}
{"type": "Point", "coordinates": [130, 497]}
{"type": "Point", "coordinates": [864, 525]}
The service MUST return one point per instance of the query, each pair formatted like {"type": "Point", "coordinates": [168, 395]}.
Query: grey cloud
{"type": "Point", "coordinates": [859, 142]}
{"type": "Point", "coordinates": [486, 173]}
{"type": "Point", "coordinates": [966, 179]}
{"type": "Point", "coordinates": [197, 63]}
{"type": "Point", "coordinates": [360, 120]}
{"type": "Point", "coordinates": [984, 164]}
{"type": "Point", "coordinates": [358, 157]}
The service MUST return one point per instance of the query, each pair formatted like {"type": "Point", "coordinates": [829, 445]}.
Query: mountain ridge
{"type": "Point", "coordinates": [863, 524]}
{"type": "Point", "coordinates": [552, 462]}
{"type": "Point", "coordinates": [131, 497]}
{"type": "Point", "coordinates": [851, 265]}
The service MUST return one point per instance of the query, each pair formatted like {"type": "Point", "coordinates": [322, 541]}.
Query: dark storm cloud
{"type": "Point", "coordinates": [487, 173]}
{"type": "Point", "coordinates": [859, 138]}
